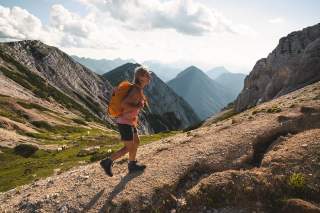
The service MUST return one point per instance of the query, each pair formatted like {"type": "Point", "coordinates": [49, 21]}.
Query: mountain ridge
{"type": "Point", "coordinates": [101, 66]}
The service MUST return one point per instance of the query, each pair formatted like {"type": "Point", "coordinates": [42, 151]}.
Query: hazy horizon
{"type": "Point", "coordinates": [204, 33]}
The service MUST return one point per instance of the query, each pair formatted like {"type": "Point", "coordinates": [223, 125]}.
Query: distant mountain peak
{"type": "Point", "coordinates": [217, 71]}
{"type": "Point", "coordinates": [191, 71]}
{"type": "Point", "coordinates": [103, 65]}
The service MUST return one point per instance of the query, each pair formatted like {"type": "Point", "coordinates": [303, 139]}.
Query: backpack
{"type": "Point", "coordinates": [118, 94]}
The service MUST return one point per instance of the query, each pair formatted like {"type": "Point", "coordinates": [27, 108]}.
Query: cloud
{"type": "Point", "coordinates": [183, 16]}
{"type": "Point", "coordinates": [71, 23]}
{"type": "Point", "coordinates": [277, 20]}
{"type": "Point", "coordinates": [65, 29]}
{"type": "Point", "coordinates": [74, 30]}
{"type": "Point", "coordinates": [18, 23]}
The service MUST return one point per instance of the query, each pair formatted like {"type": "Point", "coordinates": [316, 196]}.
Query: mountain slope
{"type": "Point", "coordinates": [101, 66]}
{"type": "Point", "coordinates": [233, 81]}
{"type": "Point", "coordinates": [294, 63]}
{"type": "Point", "coordinates": [202, 93]}
{"type": "Point", "coordinates": [216, 72]}
{"type": "Point", "coordinates": [257, 161]}
{"type": "Point", "coordinates": [58, 71]}
{"type": "Point", "coordinates": [167, 110]}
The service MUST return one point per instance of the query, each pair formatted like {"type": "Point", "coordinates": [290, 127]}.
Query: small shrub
{"type": "Point", "coordinates": [192, 127]}
{"type": "Point", "coordinates": [317, 97]}
{"type": "Point", "coordinates": [32, 106]}
{"type": "Point", "coordinates": [274, 109]}
{"type": "Point", "coordinates": [296, 181]}
{"type": "Point", "coordinates": [292, 106]}
{"type": "Point", "coordinates": [42, 125]}
{"type": "Point", "coordinates": [258, 111]}
{"type": "Point", "coordinates": [99, 156]}
{"type": "Point", "coordinates": [25, 150]}
{"type": "Point", "coordinates": [79, 121]}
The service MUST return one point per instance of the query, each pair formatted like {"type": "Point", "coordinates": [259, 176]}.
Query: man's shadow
{"type": "Point", "coordinates": [117, 189]}
{"type": "Point", "coordinates": [121, 185]}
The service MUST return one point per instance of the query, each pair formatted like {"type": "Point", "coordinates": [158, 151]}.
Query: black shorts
{"type": "Point", "coordinates": [126, 131]}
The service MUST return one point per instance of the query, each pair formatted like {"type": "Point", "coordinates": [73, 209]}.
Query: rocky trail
{"type": "Point", "coordinates": [264, 159]}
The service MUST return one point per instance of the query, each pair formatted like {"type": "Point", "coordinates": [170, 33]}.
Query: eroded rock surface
{"type": "Point", "coordinates": [293, 64]}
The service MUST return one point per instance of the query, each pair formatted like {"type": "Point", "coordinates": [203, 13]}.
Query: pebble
{"type": "Point", "coordinates": [304, 145]}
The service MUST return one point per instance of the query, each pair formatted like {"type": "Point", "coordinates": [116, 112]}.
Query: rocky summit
{"type": "Point", "coordinates": [294, 63]}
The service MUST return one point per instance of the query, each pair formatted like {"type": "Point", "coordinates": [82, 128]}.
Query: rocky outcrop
{"type": "Point", "coordinates": [167, 110]}
{"type": "Point", "coordinates": [294, 63]}
{"type": "Point", "coordinates": [258, 160]}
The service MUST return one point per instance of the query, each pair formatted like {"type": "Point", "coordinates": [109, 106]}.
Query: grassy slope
{"type": "Point", "coordinates": [16, 170]}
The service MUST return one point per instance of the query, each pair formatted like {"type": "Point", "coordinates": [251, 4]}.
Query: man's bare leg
{"type": "Point", "coordinates": [133, 166]}
{"type": "Point", "coordinates": [124, 150]}
{"type": "Point", "coordinates": [136, 142]}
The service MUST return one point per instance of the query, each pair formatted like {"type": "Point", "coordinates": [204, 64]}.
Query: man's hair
{"type": "Point", "coordinates": [138, 71]}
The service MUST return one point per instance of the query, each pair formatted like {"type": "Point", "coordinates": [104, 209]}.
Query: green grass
{"type": "Point", "coordinates": [224, 116]}
{"type": "Point", "coordinates": [16, 170]}
{"type": "Point", "coordinates": [296, 181]}
{"type": "Point", "coordinates": [79, 121]}
{"type": "Point", "coordinates": [7, 110]}
{"type": "Point", "coordinates": [32, 106]}
{"type": "Point", "coordinates": [4, 96]}
{"type": "Point", "coordinates": [274, 109]}
{"type": "Point", "coordinates": [55, 134]}
{"type": "Point", "coordinates": [145, 139]}
{"type": "Point", "coordinates": [42, 125]}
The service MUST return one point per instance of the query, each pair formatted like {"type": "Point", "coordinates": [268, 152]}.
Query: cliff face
{"type": "Point", "coordinates": [61, 71]}
{"type": "Point", "coordinates": [294, 63]}
{"type": "Point", "coordinates": [167, 110]}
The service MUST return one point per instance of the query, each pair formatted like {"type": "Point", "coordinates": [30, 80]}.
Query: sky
{"type": "Point", "coordinates": [204, 33]}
